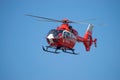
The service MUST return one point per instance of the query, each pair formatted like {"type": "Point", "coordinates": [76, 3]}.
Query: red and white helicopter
{"type": "Point", "coordinates": [65, 37]}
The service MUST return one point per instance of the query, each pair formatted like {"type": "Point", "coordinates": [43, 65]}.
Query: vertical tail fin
{"type": "Point", "coordinates": [88, 33]}
{"type": "Point", "coordinates": [90, 27]}
{"type": "Point", "coordinates": [88, 38]}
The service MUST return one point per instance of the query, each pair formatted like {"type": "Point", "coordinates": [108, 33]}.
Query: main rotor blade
{"type": "Point", "coordinates": [54, 20]}
{"type": "Point", "coordinates": [81, 22]}
{"type": "Point", "coordinates": [91, 19]}
{"type": "Point", "coordinates": [47, 19]}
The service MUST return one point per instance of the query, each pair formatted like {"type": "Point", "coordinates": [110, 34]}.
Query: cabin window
{"type": "Point", "coordinates": [66, 35]}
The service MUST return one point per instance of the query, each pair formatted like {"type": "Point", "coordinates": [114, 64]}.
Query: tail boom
{"type": "Point", "coordinates": [87, 39]}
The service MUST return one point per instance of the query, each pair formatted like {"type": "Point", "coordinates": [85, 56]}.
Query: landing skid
{"type": "Point", "coordinates": [46, 49]}
{"type": "Point", "coordinates": [70, 51]}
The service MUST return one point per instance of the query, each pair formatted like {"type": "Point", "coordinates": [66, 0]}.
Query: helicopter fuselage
{"type": "Point", "coordinates": [61, 39]}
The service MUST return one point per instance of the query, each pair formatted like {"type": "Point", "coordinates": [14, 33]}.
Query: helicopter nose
{"type": "Point", "coordinates": [50, 38]}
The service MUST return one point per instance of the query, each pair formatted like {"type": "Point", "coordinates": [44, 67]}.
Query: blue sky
{"type": "Point", "coordinates": [21, 56]}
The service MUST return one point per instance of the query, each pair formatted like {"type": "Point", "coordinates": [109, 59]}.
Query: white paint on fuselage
{"type": "Point", "coordinates": [50, 37]}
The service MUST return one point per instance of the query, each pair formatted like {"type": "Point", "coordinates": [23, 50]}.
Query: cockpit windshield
{"type": "Point", "coordinates": [55, 32]}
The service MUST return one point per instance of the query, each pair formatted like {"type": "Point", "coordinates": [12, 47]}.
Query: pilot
{"type": "Point", "coordinates": [71, 30]}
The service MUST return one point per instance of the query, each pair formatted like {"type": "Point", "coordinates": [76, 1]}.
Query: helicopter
{"type": "Point", "coordinates": [65, 37]}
